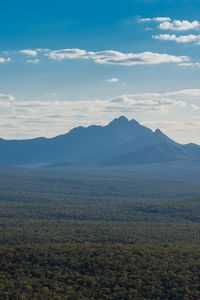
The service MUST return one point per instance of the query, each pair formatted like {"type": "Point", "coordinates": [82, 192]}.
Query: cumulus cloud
{"type": "Point", "coordinates": [179, 39]}
{"type": "Point", "coordinates": [112, 80]}
{"type": "Point", "coordinates": [179, 25]}
{"type": "Point", "coordinates": [116, 57]}
{"type": "Point", "coordinates": [29, 52]}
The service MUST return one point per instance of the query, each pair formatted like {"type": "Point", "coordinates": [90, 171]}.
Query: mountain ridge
{"type": "Point", "coordinates": [119, 142]}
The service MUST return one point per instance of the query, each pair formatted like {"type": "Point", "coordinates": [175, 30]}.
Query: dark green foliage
{"type": "Point", "coordinates": [41, 208]}
{"type": "Point", "coordinates": [99, 272]}
{"type": "Point", "coordinates": [98, 238]}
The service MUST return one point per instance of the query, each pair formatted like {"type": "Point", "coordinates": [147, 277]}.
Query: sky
{"type": "Point", "coordinates": [65, 64]}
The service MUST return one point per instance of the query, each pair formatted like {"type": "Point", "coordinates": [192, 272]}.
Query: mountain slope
{"type": "Point", "coordinates": [80, 144]}
{"type": "Point", "coordinates": [157, 148]}
{"type": "Point", "coordinates": [121, 142]}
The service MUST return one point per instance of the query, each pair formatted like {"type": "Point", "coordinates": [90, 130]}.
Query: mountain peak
{"type": "Point", "coordinates": [134, 122]}
{"type": "Point", "coordinates": [121, 137]}
{"type": "Point", "coordinates": [160, 135]}
{"type": "Point", "coordinates": [158, 131]}
{"type": "Point", "coordinates": [119, 121]}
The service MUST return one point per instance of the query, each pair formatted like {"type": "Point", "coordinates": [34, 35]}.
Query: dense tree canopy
{"type": "Point", "coordinates": [67, 237]}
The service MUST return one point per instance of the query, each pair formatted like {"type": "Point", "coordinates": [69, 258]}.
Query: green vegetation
{"type": "Point", "coordinates": [37, 208]}
{"type": "Point", "coordinates": [99, 272]}
{"type": "Point", "coordinates": [67, 237]}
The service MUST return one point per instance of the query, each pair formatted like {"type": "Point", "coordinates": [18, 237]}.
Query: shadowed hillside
{"type": "Point", "coordinates": [121, 142]}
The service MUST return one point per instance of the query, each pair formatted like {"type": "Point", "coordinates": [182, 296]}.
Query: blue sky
{"type": "Point", "coordinates": [65, 64]}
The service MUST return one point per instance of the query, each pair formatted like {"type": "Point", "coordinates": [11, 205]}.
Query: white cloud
{"type": "Point", "coordinates": [29, 52]}
{"type": "Point", "coordinates": [69, 54]}
{"type": "Point", "coordinates": [27, 119]}
{"type": "Point", "coordinates": [116, 57]}
{"type": "Point", "coordinates": [183, 130]}
{"type": "Point", "coordinates": [179, 25]}
{"type": "Point", "coordinates": [113, 80]}
{"type": "Point", "coordinates": [33, 61]}
{"type": "Point", "coordinates": [131, 103]}
{"type": "Point", "coordinates": [191, 64]}
{"type": "Point", "coordinates": [186, 92]}
{"type": "Point", "coordinates": [157, 19]}
{"type": "Point", "coordinates": [6, 97]}
{"type": "Point", "coordinates": [162, 19]}
{"type": "Point", "coordinates": [43, 50]}
{"type": "Point", "coordinates": [195, 107]}
{"type": "Point", "coordinates": [179, 39]}
{"type": "Point", "coordinates": [24, 118]}
{"type": "Point", "coordinates": [3, 60]}
{"type": "Point", "coordinates": [177, 96]}
{"type": "Point", "coordinates": [144, 19]}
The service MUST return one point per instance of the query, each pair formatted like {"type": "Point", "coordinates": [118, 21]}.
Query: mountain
{"type": "Point", "coordinates": [157, 148]}
{"type": "Point", "coordinates": [121, 142]}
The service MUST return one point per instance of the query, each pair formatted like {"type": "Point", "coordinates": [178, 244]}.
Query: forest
{"type": "Point", "coordinates": [71, 237]}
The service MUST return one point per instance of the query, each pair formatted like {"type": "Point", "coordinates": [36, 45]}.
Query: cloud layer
{"type": "Point", "coordinates": [28, 119]}
{"type": "Point", "coordinates": [116, 57]}
{"type": "Point", "coordinates": [25, 119]}
{"type": "Point", "coordinates": [111, 57]}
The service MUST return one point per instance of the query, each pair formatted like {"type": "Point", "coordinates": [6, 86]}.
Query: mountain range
{"type": "Point", "coordinates": [120, 143]}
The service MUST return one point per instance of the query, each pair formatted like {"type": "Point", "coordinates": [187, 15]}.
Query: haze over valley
{"type": "Point", "coordinates": [122, 146]}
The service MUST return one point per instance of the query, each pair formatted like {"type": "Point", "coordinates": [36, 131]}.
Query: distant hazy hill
{"type": "Point", "coordinates": [121, 142]}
